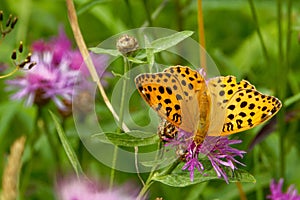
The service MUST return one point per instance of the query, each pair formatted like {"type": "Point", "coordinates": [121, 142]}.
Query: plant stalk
{"type": "Point", "coordinates": [201, 36]}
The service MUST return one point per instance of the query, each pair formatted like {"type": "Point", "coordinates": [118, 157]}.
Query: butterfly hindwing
{"type": "Point", "coordinates": [224, 87]}
{"type": "Point", "coordinates": [248, 108]}
{"type": "Point", "coordinates": [221, 89]}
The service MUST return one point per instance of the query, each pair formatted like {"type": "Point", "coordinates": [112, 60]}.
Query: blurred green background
{"type": "Point", "coordinates": [232, 42]}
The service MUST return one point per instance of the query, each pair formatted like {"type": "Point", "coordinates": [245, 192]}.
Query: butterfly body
{"type": "Point", "coordinates": [204, 115]}
{"type": "Point", "coordinates": [217, 107]}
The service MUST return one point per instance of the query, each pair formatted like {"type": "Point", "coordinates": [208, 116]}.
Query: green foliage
{"type": "Point", "coordinates": [67, 147]}
{"type": "Point", "coordinates": [231, 41]}
{"type": "Point", "coordinates": [179, 178]}
{"type": "Point", "coordinates": [127, 139]}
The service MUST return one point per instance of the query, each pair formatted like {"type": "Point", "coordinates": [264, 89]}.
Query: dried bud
{"type": "Point", "coordinates": [1, 15]}
{"type": "Point", "coordinates": [31, 65]}
{"type": "Point", "coordinates": [8, 20]}
{"type": "Point", "coordinates": [127, 44]}
{"type": "Point", "coordinates": [21, 47]}
{"type": "Point", "coordinates": [14, 55]}
{"type": "Point", "coordinates": [28, 57]}
{"type": "Point", "coordinates": [22, 64]}
{"type": "Point", "coordinates": [14, 22]}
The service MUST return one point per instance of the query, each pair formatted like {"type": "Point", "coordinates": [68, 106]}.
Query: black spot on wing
{"type": "Point", "coordinates": [239, 123]}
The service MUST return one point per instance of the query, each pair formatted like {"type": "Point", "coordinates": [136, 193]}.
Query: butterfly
{"type": "Point", "coordinates": [217, 107]}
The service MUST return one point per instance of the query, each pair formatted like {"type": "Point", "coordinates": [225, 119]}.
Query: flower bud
{"type": "Point", "coordinates": [1, 15]}
{"type": "Point", "coordinates": [21, 47]}
{"type": "Point", "coordinates": [14, 55]}
{"type": "Point", "coordinates": [8, 21]}
{"type": "Point", "coordinates": [13, 23]}
{"type": "Point", "coordinates": [127, 44]}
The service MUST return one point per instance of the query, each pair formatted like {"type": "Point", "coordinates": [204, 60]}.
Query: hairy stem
{"type": "Point", "coordinates": [87, 59]}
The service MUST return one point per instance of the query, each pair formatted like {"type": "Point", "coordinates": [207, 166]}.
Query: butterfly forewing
{"type": "Point", "coordinates": [156, 90]}
{"type": "Point", "coordinates": [190, 80]}
{"type": "Point", "coordinates": [197, 103]}
{"type": "Point", "coordinates": [167, 94]}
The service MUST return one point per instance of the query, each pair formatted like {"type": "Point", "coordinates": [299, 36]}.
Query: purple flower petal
{"type": "Point", "coordinates": [216, 149]}
{"type": "Point", "coordinates": [54, 76]}
{"type": "Point", "coordinates": [277, 194]}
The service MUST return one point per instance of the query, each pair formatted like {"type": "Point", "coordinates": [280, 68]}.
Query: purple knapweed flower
{"type": "Point", "coordinates": [277, 194]}
{"type": "Point", "coordinates": [55, 74]}
{"type": "Point", "coordinates": [216, 149]}
{"type": "Point", "coordinates": [83, 189]}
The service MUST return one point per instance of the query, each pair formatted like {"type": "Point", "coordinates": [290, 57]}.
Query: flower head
{"type": "Point", "coordinates": [46, 81]}
{"type": "Point", "coordinates": [216, 149]}
{"type": "Point", "coordinates": [277, 194]}
{"type": "Point", "coordinates": [55, 74]}
{"type": "Point", "coordinates": [83, 189]}
{"type": "Point", "coordinates": [127, 44]}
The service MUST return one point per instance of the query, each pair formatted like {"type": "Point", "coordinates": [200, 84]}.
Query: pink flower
{"type": "Point", "coordinates": [55, 75]}
{"type": "Point", "coordinates": [217, 149]}
{"type": "Point", "coordinates": [83, 189]}
{"type": "Point", "coordinates": [277, 194]}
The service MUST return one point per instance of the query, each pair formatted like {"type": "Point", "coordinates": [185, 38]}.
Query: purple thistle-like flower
{"type": "Point", "coordinates": [216, 149]}
{"type": "Point", "coordinates": [277, 194]}
{"type": "Point", "coordinates": [223, 154]}
{"type": "Point", "coordinates": [55, 74]}
{"type": "Point", "coordinates": [83, 189]}
{"type": "Point", "coordinates": [45, 81]}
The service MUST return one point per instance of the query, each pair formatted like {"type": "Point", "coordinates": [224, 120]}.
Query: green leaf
{"type": "Point", "coordinates": [112, 52]}
{"type": "Point", "coordinates": [161, 44]}
{"type": "Point", "coordinates": [182, 178]}
{"type": "Point", "coordinates": [89, 5]}
{"type": "Point", "coordinates": [291, 100]}
{"type": "Point", "coordinates": [136, 60]}
{"type": "Point", "coordinates": [67, 147]}
{"type": "Point", "coordinates": [156, 162]}
{"type": "Point", "coordinates": [164, 43]}
{"type": "Point", "coordinates": [8, 111]}
{"type": "Point", "coordinates": [126, 140]}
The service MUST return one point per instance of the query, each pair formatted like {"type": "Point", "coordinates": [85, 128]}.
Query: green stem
{"type": "Point", "coordinates": [155, 159]}
{"type": "Point", "coordinates": [148, 15]}
{"type": "Point", "coordinates": [281, 88]}
{"type": "Point", "coordinates": [51, 138]}
{"type": "Point", "coordinates": [157, 11]}
{"type": "Point", "coordinates": [27, 168]}
{"type": "Point", "coordinates": [113, 171]}
{"type": "Point", "coordinates": [254, 15]}
{"type": "Point", "coordinates": [150, 181]}
{"type": "Point", "coordinates": [130, 12]}
{"type": "Point", "coordinates": [258, 186]}
{"type": "Point", "coordinates": [120, 122]}
{"type": "Point", "coordinates": [288, 32]}
{"type": "Point", "coordinates": [25, 13]}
